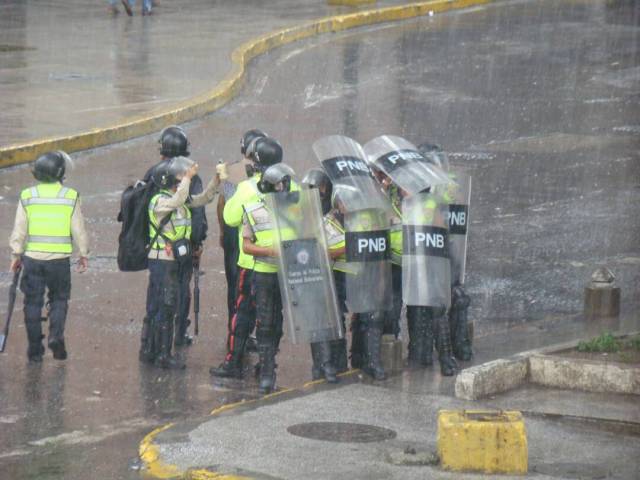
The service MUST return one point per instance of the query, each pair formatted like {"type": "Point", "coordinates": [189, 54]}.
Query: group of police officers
{"type": "Point", "coordinates": [372, 228]}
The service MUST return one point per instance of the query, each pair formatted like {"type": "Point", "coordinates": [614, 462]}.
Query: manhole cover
{"type": "Point", "coordinates": [341, 432]}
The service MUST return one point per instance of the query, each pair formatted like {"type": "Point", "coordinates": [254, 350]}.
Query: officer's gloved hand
{"type": "Point", "coordinates": [83, 264]}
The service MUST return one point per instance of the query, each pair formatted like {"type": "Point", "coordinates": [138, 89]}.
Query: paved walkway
{"type": "Point", "coordinates": [70, 66]}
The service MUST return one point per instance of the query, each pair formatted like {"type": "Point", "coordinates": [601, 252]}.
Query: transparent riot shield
{"type": "Point", "coordinates": [401, 161]}
{"type": "Point", "coordinates": [426, 268]}
{"type": "Point", "coordinates": [305, 276]}
{"type": "Point", "coordinates": [458, 195]}
{"type": "Point", "coordinates": [343, 160]}
{"type": "Point", "coordinates": [368, 281]}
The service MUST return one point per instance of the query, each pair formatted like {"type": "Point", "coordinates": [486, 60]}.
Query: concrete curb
{"type": "Point", "coordinates": [541, 367]}
{"type": "Point", "coordinates": [214, 99]}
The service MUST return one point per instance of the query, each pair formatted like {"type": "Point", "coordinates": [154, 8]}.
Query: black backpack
{"type": "Point", "coordinates": [133, 242]}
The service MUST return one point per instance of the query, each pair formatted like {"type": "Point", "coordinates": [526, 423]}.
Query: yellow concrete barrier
{"type": "Point", "coordinates": [482, 441]}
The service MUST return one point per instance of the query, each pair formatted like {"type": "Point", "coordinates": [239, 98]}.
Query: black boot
{"type": "Point", "coordinates": [164, 359]}
{"type": "Point", "coordinates": [322, 366]}
{"type": "Point", "coordinates": [267, 353]}
{"type": "Point", "coordinates": [232, 365]}
{"type": "Point", "coordinates": [251, 345]}
{"type": "Point", "coordinates": [448, 365]}
{"type": "Point", "coordinates": [459, 326]}
{"type": "Point", "coordinates": [373, 341]}
{"type": "Point", "coordinates": [357, 343]}
{"type": "Point", "coordinates": [146, 353]}
{"type": "Point", "coordinates": [182, 337]}
{"type": "Point", "coordinates": [35, 350]}
{"type": "Point", "coordinates": [339, 355]}
{"type": "Point", "coordinates": [57, 347]}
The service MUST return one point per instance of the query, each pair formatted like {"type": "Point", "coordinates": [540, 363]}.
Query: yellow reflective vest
{"type": "Point", "coordinates": [180, 223]}
{"type": "Point", "coordinates": [49, 208]}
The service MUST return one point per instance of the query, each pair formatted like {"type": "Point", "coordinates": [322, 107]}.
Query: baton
{"type": "Point", "coordinates": [196, 296]}
{"type": "Point", "coordinates": [12, 301]}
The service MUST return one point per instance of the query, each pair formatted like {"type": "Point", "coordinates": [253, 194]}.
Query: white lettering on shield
{"type": "Point", "coordinates": [435, 240]}
{"type": "Point", "coordinates": [351, 165]}
{"type": "Point", "coordinates": [372, 244]}
{"type": "Point", "coordinates": [459, 218]}
{"type": "Point", "coordinates": [405, 156]}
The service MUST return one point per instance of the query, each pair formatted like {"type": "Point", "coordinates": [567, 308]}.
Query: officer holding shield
{"type": "Point", "coordinates": [360, 213]}
{"type": "Point", "coordinates": [457, 195]}
{"type": "Point", "coordinates": [426, 270]}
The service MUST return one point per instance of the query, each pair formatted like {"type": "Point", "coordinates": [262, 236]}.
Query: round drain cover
{"type": "Point", "coordinates": [341, 432]}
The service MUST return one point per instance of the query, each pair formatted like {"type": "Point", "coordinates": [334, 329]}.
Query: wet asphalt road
{"type": "Point", "coordinates": [540, 101]}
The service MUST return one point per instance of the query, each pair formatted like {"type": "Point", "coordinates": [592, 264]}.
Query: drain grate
{"type": "Point", "coordinates": [341, 432]}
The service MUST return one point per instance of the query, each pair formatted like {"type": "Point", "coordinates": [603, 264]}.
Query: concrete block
{"type": "Point", "coordinates": [482, 441]}
{"type": "Point", "coordinates": [391, 353]}
{"type": "Point", "coordinates": [491, 378]}
{"type": "Point", "coordinates": [587, 375]}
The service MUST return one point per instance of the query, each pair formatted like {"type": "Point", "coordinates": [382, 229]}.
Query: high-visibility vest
{"type": "Point", "coordinates": [336, 241]}
{"type": "Point", "coordinates": [247, 193]}
{"type": "Point", "coordinates": [180, 223]}
{"type": "Point", "coordinates": [49, 208]}
{"type": "Point", "coordinates": [426, 218]}
{"type": "Point", "coordinates": [259, 218]}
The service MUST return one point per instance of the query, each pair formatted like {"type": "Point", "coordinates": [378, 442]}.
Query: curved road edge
{"type": "Point", "coordinates": [224, 91]}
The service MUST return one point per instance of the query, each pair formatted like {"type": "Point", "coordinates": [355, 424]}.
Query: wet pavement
{"type": "Point", "coordinates": [539, 99]}
{"type": "Point", "coordinates": [69, 66]}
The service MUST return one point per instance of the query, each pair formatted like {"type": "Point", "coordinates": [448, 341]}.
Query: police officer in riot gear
{"type": "Point", "coordinates": [456, 194]}
{"type": "Point", "coordinates": [420, 235]}
{"type": "Point", "coordinates": [262, 153]}
{"type": "Point", "coordinates": [48, 219]}
{"type": "Point", "coordinates": [257, 233]}
{"type": "Point", "coordinates": [317, 178]}
{"type": "Point", "coordinates": [169, 231]}
{"type": "Point", "coordinates": [174, 143]}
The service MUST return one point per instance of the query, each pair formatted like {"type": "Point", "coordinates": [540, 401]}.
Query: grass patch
{"type": "Point", "coordinates": [604, 343]}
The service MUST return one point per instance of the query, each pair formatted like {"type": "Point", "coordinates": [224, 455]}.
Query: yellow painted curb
{"type": "Point", "coordinates": [214, 99]}
{"type": "Point", "coordinates": [148, 452]}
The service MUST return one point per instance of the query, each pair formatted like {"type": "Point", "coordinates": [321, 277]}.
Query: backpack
{"type": "Point", "coordinates": [133, 241]}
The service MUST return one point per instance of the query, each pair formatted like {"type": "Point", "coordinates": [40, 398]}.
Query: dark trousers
{"type": "Point", "coordinates": [244, 317]}
{"type": "Point", "coordinates": [230, 247]}
{"type": "Point", "coordinates": [392, 316]}
{"type": "Point", "coordinates": [162, 294]}
{"type": "Point", "coordinates": [54, 276]}
{"type": "Point", "coordinates": [341, 292]}
{"type": "Point", "coordinates": [268, 309]}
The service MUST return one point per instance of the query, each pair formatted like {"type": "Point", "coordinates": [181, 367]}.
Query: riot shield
{"type": "Point", "coordinates": [306, 280]}
{"type": "Point", "coordinates": [401, 161]}
{"type": "Point", "coordinates": [458, 195]}
{"type": "Point", "coordinates": [426, 268]}
{"type": "Point", "coordinates": [368, 281]}
{"type": "Point", "coordinates": [343, 160]}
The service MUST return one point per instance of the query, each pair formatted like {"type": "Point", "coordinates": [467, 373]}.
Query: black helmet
{"type": "Point", "coordinates": [166, 174]}
{"type": "Point", "coordinates": [173, 142]}
{"type": "Point", "coordinates": [50, 167]}
{"type": "Point", "coordinates": [275, 174]}
{"type": "Point", "coordinates": [434, 155]}
{"type": "Point", "coordinates": [247, 139]}
{"type": "Point", "coordinates": [266, 152]}
{"type": "Point", "coordinates": [317, 178]}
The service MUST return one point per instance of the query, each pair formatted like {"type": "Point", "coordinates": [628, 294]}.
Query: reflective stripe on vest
{"type": "Point", "coordinates": [260, 220]}
{"type": "Point", "coordinates": [49, 208]}
{"type": "Point", "coordinates": [180, 223]}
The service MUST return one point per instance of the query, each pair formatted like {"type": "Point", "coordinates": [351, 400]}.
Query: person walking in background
{"type": "Point", "coordinates": [129, 5]}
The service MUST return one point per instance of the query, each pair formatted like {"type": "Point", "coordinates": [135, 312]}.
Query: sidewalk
{"type": "Point", "coordinates": [301, 433]}
{"type": "Point", "coordinates": [70, 67]}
